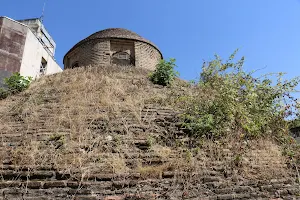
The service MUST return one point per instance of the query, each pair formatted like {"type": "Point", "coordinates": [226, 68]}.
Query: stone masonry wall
{"type": "Point", "coordinates": [48, 183]}
{"type": "Point", "coordinates": [95, 52]}
{"type": "Point", "coordinates": [146, 55]}
{"type": "Point", "coordinates": [12, 42]}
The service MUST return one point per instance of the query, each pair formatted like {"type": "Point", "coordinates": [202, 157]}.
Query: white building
{"type": "Point", "coordinates": [26, 47]}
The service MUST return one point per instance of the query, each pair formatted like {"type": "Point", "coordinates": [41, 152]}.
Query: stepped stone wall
{"type": "Point", "coordinates": [151, 170]}
{"type": "Point", "coordinates": [50, 184]}
{"type": "Point", "coordinates": [215, 183]}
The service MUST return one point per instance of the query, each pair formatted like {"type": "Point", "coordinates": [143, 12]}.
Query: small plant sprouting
{"type": "Point", "coordinates": [56, 137]}
{"type": "Point", "coordinates": [150, 141]}
{"type": "Point", "coordinates": [188, 156]}
{"type": "Point", "coordinates": [57, 140]}
{"type": "Point", "coordinates": [238, 160]}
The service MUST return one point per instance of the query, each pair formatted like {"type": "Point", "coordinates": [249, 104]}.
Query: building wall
{"type": "Point", "coordinates": [99, 52]}
{"type": "Point", "coordinates": [95, 52]}
{"type": "Point", "coordinates": [39, 30]}
{"type": "Point", "coordinates": [146, 56]}
{"type": "Point", "coordinates": [21, 51]}
{"type": "Point", "coordinates": [33, 54]}
{"type": "Point", "coordinates": [12, 42]}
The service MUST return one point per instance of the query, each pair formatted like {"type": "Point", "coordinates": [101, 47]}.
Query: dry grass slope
{"type": "Point", "coordinates": [114, 120]}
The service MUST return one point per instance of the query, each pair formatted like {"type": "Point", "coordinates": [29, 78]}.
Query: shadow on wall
{"type": "Point", "coordinates": [4, 74]}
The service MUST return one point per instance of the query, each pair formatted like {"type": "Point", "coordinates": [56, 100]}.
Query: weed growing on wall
{"type": "Point", "coordinates": [164, 73]}
{"type": "Point", "coordinates": [229, 100]}
{"type": "Point", "coordinates": [14, 84]}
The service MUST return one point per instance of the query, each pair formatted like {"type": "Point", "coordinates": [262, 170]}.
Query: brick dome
{"type": "Point", "coordinates": [113, 46]}
{"type": "Point", "coordinates": [117, 33]}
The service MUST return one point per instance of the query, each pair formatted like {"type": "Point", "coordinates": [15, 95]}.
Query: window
{"type": "Point", "coordinates": [121, 55]}
{"type": "Point", "coordinates": [121, 58]}
{"type": "Point", "coordinates": [47, 43]}
{"type": "Point", "coordinates": [43, 67]}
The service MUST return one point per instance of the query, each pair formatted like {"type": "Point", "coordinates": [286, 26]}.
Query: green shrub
{"type": "Point", "coordinates": [17, 83]}
{"type": "Point", "coordinates": [164, 73]}
{"type": "Point", "coordinates": [14, 84]}
{"type": "Point", "coordinates": [227, 100]}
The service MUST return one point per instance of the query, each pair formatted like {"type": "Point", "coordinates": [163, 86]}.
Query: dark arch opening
{"type": "Point", "coordinates": [75, 65]}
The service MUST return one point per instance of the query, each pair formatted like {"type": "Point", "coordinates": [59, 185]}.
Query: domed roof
{"type": "Point", "coordinates": [118, 33]}
{"type": "Point", "coordinates": [115, 33]}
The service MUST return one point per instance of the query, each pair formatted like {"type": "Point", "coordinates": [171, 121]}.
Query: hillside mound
{"type": "Point", "coordinates": [109, 133]}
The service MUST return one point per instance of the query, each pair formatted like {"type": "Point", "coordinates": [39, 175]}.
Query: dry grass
{"type": "Point", "coordinates": [83, 106]}
{"type": "Point", "coordinates": [82, 119]}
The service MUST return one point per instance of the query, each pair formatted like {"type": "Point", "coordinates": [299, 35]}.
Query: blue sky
{"type": "Point", "coordinates": [267, 32]}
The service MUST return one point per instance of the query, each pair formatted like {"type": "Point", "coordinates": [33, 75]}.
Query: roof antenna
{"type": "Point", "coordinates": [43, 12]}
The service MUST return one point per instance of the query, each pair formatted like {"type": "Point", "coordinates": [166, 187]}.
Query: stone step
{"type": "Point", "coordinates": [40, 136]}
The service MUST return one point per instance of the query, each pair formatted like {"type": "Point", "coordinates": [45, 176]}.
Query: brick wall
{"type": "Point", "coordinates": [12, 42]}
{"type": "Point", "coordinates": [99, 52]}
{"type": "Point", "coordinates": [146, 55]}
{"type": "Point", "coordinates": [95, 52]}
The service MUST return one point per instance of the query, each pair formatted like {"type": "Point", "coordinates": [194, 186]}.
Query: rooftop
{"type": "Point", "coordinates": [118, 33]}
